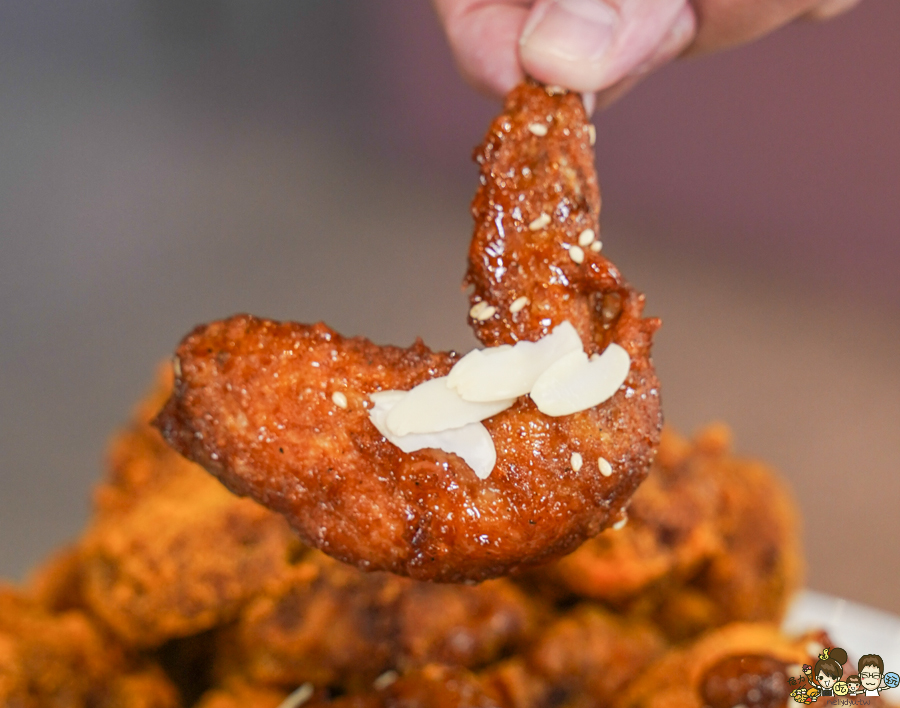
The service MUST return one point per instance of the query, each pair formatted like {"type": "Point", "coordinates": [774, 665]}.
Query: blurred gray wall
{"type": "Point", "coordinates": [163, 163]}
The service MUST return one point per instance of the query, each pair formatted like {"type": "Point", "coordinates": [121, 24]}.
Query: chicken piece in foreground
{"type": "Point", "coordinates": [279, 412]}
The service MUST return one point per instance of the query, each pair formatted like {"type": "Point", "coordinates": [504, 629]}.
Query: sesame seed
{"type": "Point", "coordinates": [576, 254]}
{"type": "Point", "coordinates": [539, 129]}
{"type": "Point", "coordinates": [592, 134]}
{"type": "Point", "coordinates": [596, 246]}
{"type": "Point", "coordinates": [299, 697]}
{"type": "Point", "coordinates": [586, 237]}
{"type": "Point", "coordinates": [539, 223]}
{"type": "Point", "coordinates": [339, 399]}
{"type": "Point", "coordinates": [553, 90]}
{"type": "Point", "coordinates": [518, 304]}
{"type": "Point", "coordinates": [576, 461]}
{"type": "Point", "coordinates": [620, 524]}
{"type": "Point", "coordinates": [385, 680]}
{"type": "Point", "coordinates": [605, 468]}
{"type": "Point", "coordinates": [486, 313]}
{"type": "Point", "coordinates": [176, 366]}
{"type": "Point", "coordinates": [477, 308]}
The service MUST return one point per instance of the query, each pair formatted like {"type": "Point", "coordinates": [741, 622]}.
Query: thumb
{"type": "Point", "coordinates": [589, 45]}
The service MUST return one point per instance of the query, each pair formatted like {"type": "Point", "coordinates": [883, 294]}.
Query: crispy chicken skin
{"type": "Point", "coordinates": [253, 398]}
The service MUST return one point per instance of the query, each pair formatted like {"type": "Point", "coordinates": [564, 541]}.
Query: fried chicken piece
{"type": "Point", "coordinates": [171, 552]}
{"type": "Point", "coordinates": [710, 539]}
{"type": "Point", "coordinates": [585, 658]}
{"type": "Point", "coordinates": [431, 686]}
{"type": "Point", "coordinates": [238, 694]}
{"type": "Point", "coordinates": [56, 584]}
{"type": "Point", "coordinates": [253, 398]}
{"type": "Point", "coordinates": [740, 664]}
{"type": "Point", "coordinates": [51, 661]}
{"type": "Point", "coordinates": [145, 688]}
{"type": "Point", "coordinates": [331, 625]}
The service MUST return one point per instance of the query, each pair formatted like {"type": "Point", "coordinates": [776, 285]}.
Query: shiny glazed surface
{"type": "Point", "coordinates": [253, 403]}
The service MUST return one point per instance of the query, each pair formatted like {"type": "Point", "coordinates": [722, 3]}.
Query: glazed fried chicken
{"type": "Point", "coordinates": [279, 412]}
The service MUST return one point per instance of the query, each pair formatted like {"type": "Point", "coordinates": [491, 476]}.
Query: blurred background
{"type": "Point", "coordinates": [163, 163]}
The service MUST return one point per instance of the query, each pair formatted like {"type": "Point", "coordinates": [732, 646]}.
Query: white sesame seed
{"type": "Point", "coordinates": [477, 308]}
{"type": "Point", "coordinates": [539, 129]}
{"type": "Point", "coordinates": [518, 304]}
{"type": "Point", "coordinates": [596, 246]}
{"type": "Point", "coordinates": [540, 222]}
{"type": "Point", "coordinates": [605, 468]}
{"type": "Point", "coordinates": [586, 237]}
{"type": "Point", "coordinates": [553, 90]}
{"type": "Point", "coordinates": [486, 313]}
{"type": "Point", "coordinates": [176, 366]}
{"type": "Point", "coordinates": [384, 680]}
{"type": "Point", "coordinates": [620, 524]}
{"type": "Point", "coordinates": [576, 461]}
{"type": "Point", "coordinates": [576, 254]}
{"type": "Point", "coordinates": [339, 399]}
{"type": "Point", "coordinates": [592, 134]}
{"type": "Point", "coordinates": [298, 697]}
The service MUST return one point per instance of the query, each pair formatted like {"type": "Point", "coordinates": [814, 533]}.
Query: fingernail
{"type": "Point", "coordinates": [569, 38]}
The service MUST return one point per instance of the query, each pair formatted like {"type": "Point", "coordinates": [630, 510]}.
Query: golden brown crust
{"type": "Point", "coordinates": [252, 401]}
{"type": "Point", "coordinates": [171, 552]}
{"type": "Point", "coordinates": [331, 625]}
{"type": "Point", "coordinates": [711, 538]}
{"type": "Point", "coordinates": [51, 660]}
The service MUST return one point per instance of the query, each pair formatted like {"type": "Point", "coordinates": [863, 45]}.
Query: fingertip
{"type": "Point", "coordinates": [590, 45]}
{"type": "Point", "coordinates": [484, 41]}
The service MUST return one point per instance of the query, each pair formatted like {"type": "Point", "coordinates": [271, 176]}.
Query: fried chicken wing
{"type": "Point", "coordinates": [280, 412]}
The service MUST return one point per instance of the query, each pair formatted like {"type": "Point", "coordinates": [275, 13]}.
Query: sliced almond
{"type": "Point", "coordinates": [471, 442]}
{"type": "Point", "coordinates": [432, 407]}
{"type": "Point", "coordinates": [506, 371]}
{"type": "Point", "coordinates": [575, 383]}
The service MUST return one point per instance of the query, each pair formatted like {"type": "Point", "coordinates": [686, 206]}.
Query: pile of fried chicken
{"type": "Point", "coordinates": [181, 593]}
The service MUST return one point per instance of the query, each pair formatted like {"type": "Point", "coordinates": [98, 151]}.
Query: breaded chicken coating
{"type": "Point", "coordinates": [171, 552]}
{"type": "Point", "coordinates": [584, 658]}
{"type": "Point", "coordinates": [254, 400]}
{"type": "Point", "coordinates": [51, 661]}
{"type": "Point", "coordinates": [711, 538]}
{"type": "Point", "coordinates": [331, 625]}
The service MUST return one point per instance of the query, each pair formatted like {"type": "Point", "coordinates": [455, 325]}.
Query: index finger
{"type": "Point", "coordinates": [484, 37]}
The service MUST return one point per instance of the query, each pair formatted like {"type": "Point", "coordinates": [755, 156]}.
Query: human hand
{"type": "Point", "coordinates": [603, 46]}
